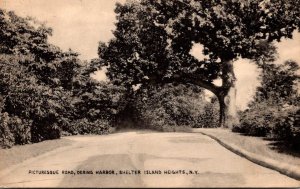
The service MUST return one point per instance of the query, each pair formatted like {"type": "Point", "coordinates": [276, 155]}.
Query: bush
{"type": "Point", "coordinates": [156, 119]}
{"type": "Point", "coordinates": [280, 122]}
{"type": "Point", "coordinates": [255, 121]}
{"type": "Point", "coordinates": [14, 130]}
{"type": "Point", "coordinates": [39, 82]}
{"type": "Point", "coordinates": [261, 119]}
{"type": "Point", "coordinates": [39, 109]}
{"type": "Point", "coordinates": [6, 136]}
{"type": "Point", "coordinates": [34, 109]}
{"type": "Point", "coordinates": [84, 126]}
{"type": "Point", "coordinates": [209, 118]}
{"type": "Point", "coordinates": [174, 108]}
{"type": "Point", "coordinates": [21, 130]}
{"type": "Point", "coordinates": [275, 109]}
{"type": "Point", "coordinates": [286, 127]}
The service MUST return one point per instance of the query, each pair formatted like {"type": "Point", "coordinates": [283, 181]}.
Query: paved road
{"type": "Point", "coordinates": [134, 159]}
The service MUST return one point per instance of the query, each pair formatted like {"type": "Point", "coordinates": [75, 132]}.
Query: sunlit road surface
{"type": "Point", "coordinates": [137, 159]}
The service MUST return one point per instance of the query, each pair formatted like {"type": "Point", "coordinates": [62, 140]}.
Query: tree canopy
{"type": "Point", "coordinates": [153, 40]}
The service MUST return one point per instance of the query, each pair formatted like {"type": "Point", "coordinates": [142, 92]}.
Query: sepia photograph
{"type": "Point", "coordinates": [150, 93]}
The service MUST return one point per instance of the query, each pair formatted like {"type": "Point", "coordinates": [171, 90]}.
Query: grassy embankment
{"type": "Point", "coordinates": [20, 153]}
{"type": "Point", "coordinates": [258, 145]}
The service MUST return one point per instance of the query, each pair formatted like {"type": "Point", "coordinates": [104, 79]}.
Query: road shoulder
{"type": "Point", "coordinates": [19, 155]}
{"type": "Point", "coordinates": [259, 152]}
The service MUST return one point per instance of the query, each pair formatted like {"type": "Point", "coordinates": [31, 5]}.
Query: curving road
{"type": "Point", "coordinates": [141, 159]}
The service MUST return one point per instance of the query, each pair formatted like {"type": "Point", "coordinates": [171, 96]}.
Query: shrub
{"type": "Point", "coordinates": [21, 130]}
{"type": "Point", "coordinates": [286, 127]}
{"type": "Point", "coordinates": [38, 107]}
{"type": "Point", "coordinates": [45, 131]}
{"type": "Point", "coordinates": [174, 108]}
{"type": "Point", "coordinates": [277, 121]}
{"type": "Point", "coordinates": [209, 117]}
{"type": "Point", "coordinates": [84, 126]}
{"type": "Point", "coordinates": [34, 108]}
{"type": "Point", "coordinates": [275, 109]}
{"type": "Point", "coordinates": [256, 121]}
{"type": "Point", "coordinates": [36, 78]}
{"type": "Point", "coordinates": [6, 136]}
{"type": "Point", "coordinates": [156, 119]}
{"type": "Point", "coordinates": [14, 130]}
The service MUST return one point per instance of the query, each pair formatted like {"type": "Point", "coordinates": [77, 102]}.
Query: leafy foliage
{"type": "Point", "coordinates": [95, 108]}
{"type": "Point", "coordinates": [153, 40]}
{"type": "Point", "coordinates": [258, 120]}
{"type": "Point", "coordinates": [6, 137]}
{"type": "Point", "coordinates": [85, 126]}
{"type": "Point", "coordinates": [21, 130]}
{"type": "Point", "coordinates": [275, 109]}
{"type": "Point", "coordinates": [279, 83]}
{"type": "Point", "coordinates": [26, 36]}
{"type": "Point", "coordinates": [173, 107]}
{"type": "Point", "coordinates": [34, 109]}
{"type": "Point", "coordinates": [44, 91]}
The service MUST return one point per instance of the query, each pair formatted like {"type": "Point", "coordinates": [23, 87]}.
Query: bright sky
{"type": "Point", "coordinates": [77, 24]}
{"type": "Point", "coordinates": [81, 24]}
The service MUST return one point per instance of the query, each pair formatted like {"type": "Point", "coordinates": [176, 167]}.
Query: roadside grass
{"type": "Point", "coordinates": [167, 129]}
{"type": "Point", "coordinates": [180, 129]}
{"type": "Point", "coordinates": [256, 145]}
{"type": "Point", "coordinates": [20, 153]}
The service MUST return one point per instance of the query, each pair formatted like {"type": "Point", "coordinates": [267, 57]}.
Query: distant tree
{"type": "Point", "coordinates": [279, 83]}
{"type": "Point", "coordinates": [275, 108]}
{"type": "Point", "coordinates": [153, 40]}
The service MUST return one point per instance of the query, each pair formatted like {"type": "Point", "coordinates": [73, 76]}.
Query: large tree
{"type": "Point", "coordinates": [153, 40]}
{"type": "Point", "coordinates": [279, 84]}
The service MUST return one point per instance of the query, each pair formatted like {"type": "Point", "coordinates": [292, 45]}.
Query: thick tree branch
{"type": "Point", "coordinates": [185, 79]}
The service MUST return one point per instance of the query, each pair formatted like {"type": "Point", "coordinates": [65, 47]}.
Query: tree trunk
{"type": "Point", "coordinates": [226, 93]}
{"type": "Point", "coordinates": [230, 107]}
{"type": "Point", "coordinates": [222, 115]}
{"type": "Point", "coordinates": [227, 97]}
